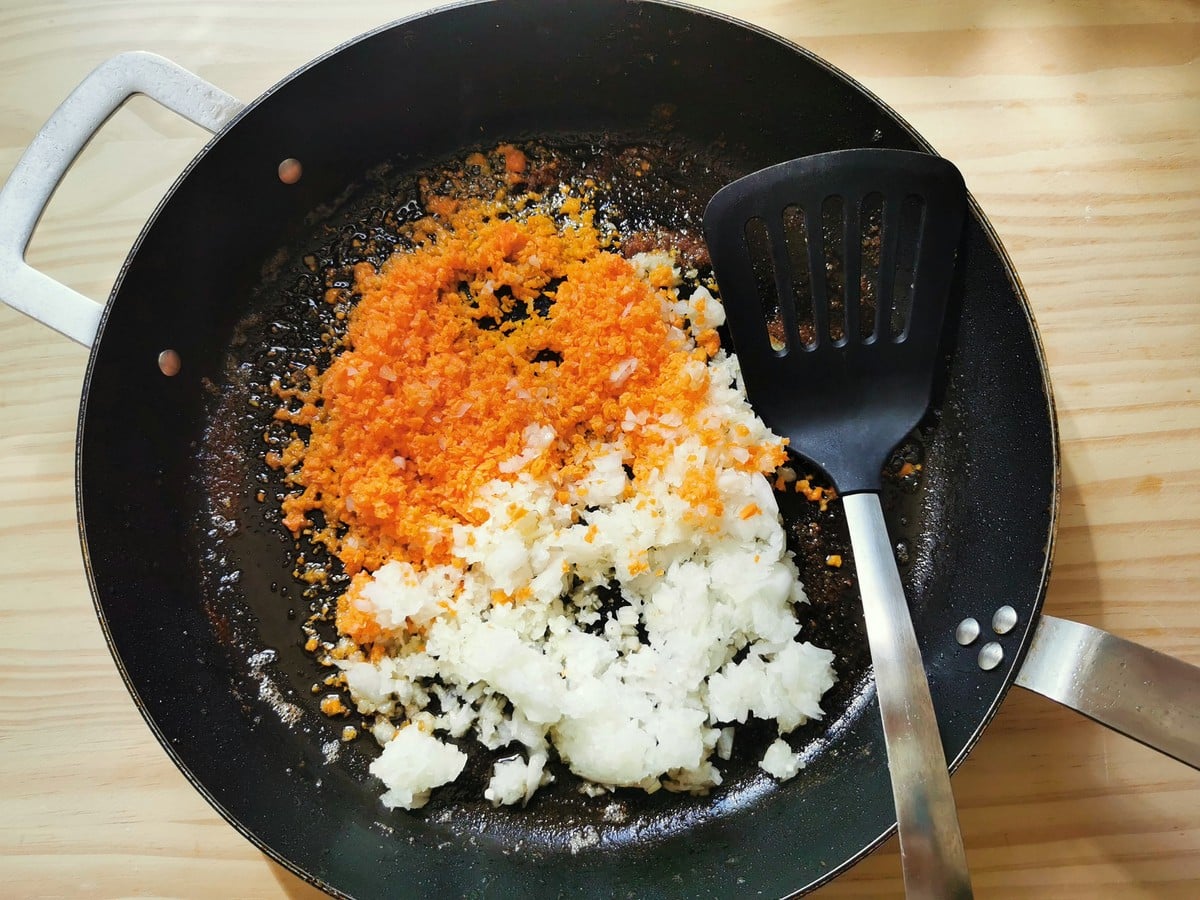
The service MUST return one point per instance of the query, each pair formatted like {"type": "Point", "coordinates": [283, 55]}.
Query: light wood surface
{"type": "Point", "coordinates": [1077, 125]}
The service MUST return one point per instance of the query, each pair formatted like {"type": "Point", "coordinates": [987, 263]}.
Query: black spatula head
{"type": "Point", "coordinates": [835, 270]}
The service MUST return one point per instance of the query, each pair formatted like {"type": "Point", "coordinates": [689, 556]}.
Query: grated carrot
{"type": "Point", "coordinates": [333, 706]}
{"type": "Point", "coordinates": [425, 378]}
{"type": "Point", "coordinates": [749, 511]}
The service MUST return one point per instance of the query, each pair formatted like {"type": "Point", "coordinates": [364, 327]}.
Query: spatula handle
{"type": "Point", "coordinates": [931, 847]}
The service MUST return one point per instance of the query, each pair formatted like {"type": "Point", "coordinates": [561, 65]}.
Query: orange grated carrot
{"type": "Point", "coordinates": [749, 511]}
{"type": "Point", "coordinates": [425, 403]}
{"type": "Point", "coordinates": [514, 159]}
{"type": "Point", "coordinates": [333, 706]}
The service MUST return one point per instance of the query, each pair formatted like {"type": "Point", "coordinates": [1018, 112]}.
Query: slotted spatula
{"type": "Point", "coordinates": [835, 270]}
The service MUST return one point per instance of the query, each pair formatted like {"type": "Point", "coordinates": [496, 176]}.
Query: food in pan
{"type": "Point", "coordinates": [532, 457]}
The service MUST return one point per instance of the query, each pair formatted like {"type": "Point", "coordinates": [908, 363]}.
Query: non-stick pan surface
{"type": "Point", "coordinates": [189, 572]}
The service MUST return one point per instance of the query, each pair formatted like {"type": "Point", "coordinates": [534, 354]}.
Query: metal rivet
{"type": "Point", "coordinates": [169, 363]}
{"type": "Point", "coordinates": [1004, 620]}
{"type": "Point", "coordinates": [990, 656]}
{"type": "Point", "coordinates": [290, 171]}
{"type": "Point", "coordinates": [967, 631]}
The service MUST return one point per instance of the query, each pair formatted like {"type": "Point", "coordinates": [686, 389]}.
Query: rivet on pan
{"type": "Point", "coordinates": [1004, 620]}
{"type": "Point", "coordinates": [990, 656]}
{"type": "Point", "coordinates": [967, 631]}
{"type": "Point", "coordinates": [290, 171]}
{"type": "Point", "coordinates": [169, 363]}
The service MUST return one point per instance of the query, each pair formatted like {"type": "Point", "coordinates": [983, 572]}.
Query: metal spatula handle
{"type": "Point", "coordinates": [931, 847]}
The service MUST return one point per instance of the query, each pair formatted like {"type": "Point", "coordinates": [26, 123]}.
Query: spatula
{"type": "Point", "coordinates": [835, 270]}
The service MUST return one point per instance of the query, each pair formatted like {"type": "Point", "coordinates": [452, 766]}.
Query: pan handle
{"type": "Point", "coordinates": [1147, 695]}
{"type": "Point", "coordinates": [45, 161]}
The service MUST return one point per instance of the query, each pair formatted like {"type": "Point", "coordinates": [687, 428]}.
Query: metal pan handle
{"type": "Point", "coordinates": [42, 166]}
{"type": "Point", "coordinates": [1147, 695]}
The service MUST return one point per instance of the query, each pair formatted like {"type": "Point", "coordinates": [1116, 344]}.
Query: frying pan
{"type": "Point", "coordinates": [190, 645]}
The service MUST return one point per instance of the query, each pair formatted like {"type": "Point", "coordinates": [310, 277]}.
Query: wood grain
{"type": "Point", "coordinates": [1077, 126]}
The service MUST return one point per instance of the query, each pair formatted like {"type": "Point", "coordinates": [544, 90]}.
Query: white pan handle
{"type": "Point", "coordinates": [43, 164]}
{"type": "Point", "coordinates": [1147, 695]}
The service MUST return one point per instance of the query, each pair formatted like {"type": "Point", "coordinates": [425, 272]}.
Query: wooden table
{"type": "Point", "coordinates": [1078, 129]}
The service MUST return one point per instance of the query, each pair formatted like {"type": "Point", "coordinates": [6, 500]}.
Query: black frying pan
{"type": "Point", "coordinates": [159, 456]}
